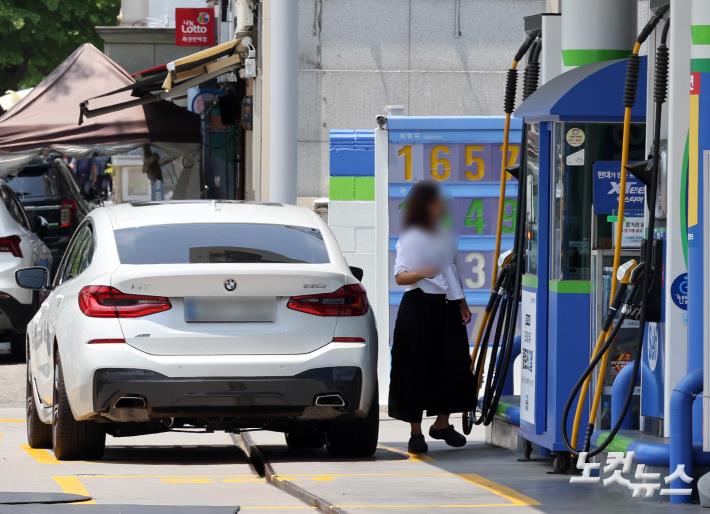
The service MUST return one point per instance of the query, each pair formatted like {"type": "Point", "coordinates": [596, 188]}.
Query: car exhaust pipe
{"type": "Point", "coordinates": [329, 400]}
{"type": "Point", "coordinates": [130, 402]}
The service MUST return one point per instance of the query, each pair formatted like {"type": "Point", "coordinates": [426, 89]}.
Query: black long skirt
{"type": "Point", "coordinates": [430, 360]}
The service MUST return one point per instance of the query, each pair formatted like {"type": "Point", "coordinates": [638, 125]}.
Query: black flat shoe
{"type": "Point", "coordinates": [449, 435]}
{"type": "Point", "coordinates": [417, 444]}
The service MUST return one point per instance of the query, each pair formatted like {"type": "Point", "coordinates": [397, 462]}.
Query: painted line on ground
{"type": "Point", "coordinates": [514, 497]}
{"type": "Point", "coordinates": [421, 506]}
{"type": "Point", "coordinates": [263, 467]}
{"type": "Point", "coordinates": [11, 420]}
{"type": "Point", "coordinates": [442, 474]}
{"type": "Point", "coordinates": [410, 456]}
{"type": "Point", "coordinates": [71, 484]}
{"type": "Point", "coordinates": [40, 456]}
{"type": "Point", "coordinates": [277, 508]}
{"type": "Point", "coordinates": [510, 494]}
{"type": "Point", "coordinates": [179, 479]}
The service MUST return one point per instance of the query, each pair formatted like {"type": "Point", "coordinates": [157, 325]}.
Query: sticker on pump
{"type": "Point", "coordinates": [575, 137]}
{"type": "Point", "coordinates": [576, 158]}
{"type": "Point", "coordinates": [679, 291]}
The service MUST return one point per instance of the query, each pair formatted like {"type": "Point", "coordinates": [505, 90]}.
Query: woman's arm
{"type": "Point", "coordinates": [407, 278]}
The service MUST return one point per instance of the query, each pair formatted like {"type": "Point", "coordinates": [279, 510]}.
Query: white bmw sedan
{"type": "Point", "coordinates": [209, 314]}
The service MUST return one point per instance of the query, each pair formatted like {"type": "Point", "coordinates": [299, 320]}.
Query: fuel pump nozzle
{"type": "Point", "coordinates": [635, 282]}
{"type": "Point", "coordinates": [497, 291]}
{"type": "Point", "coordinates": [505, 258]}
{"type": "Point", "coordinates": [624, 277]}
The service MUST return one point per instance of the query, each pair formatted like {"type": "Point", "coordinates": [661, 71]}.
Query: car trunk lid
{"type": "Point", "coordinates": [222, 309]}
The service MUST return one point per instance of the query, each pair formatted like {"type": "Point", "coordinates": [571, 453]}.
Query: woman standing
{"type": "Point", "coordinates": [430, 359]}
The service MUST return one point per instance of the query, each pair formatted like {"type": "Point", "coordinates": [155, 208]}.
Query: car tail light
{"type": "Point", "coordinates": [350, 300]}
{"type": "Point", "coordinates": [11, 244]}
{"type": "Point", "coordinates": [67, 213]}
{"type": "Point", "coordinates": [348, 339]}
{"type": "Point", "coordinates": [109, 302]}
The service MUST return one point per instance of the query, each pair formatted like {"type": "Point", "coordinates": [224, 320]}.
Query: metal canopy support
{"type": "Point", "coordinates": [174, 78]}
{"type": "Point", "coordinates": [280, 100]}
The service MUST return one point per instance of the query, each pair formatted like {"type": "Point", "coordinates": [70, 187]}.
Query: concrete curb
{"type": "Point", "coordinates": [265, 469]}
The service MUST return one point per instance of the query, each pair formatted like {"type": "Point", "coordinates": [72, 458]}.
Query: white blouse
{"type": "Point", "coordinates": [418, 249]}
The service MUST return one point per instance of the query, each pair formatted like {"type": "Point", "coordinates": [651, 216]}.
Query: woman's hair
{"type": "Point", "coordinates": [416, 206]}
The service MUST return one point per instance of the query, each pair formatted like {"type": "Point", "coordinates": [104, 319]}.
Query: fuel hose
{"type": "Point", "coordinates": [500, 315]}
{"type": "Point", "coordinates": [606, 336]}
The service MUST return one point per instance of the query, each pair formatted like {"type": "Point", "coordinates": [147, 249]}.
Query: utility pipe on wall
{"type": "Point", "coordinates": [280, 66]}
{"type": "Point", "coordinates": [601, 30]}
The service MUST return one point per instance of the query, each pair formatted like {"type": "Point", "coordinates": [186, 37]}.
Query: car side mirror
{"type": "Point", "coordinates": [35, 278]}
{"type": "Point", "coordinates": [40, 225]}
{"type": "Point", "coordinates": [358, 273]}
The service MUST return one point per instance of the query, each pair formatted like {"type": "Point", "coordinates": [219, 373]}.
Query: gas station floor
{"type": "Point", "coordinates": [178, 472]}
{"type": "Point", "coordinates": [476, 478]}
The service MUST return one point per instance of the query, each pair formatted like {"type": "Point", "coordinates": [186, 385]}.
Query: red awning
{"type": "Point", "coordinates": [50, 114]}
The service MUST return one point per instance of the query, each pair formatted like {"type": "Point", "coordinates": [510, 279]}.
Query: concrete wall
{"type": "Point", "coordinates": [436, 57]}
{"type": "Point", "coordinates": [138, 48]}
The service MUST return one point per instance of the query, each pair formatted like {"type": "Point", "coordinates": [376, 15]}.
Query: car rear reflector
{"type": "Point", "coordinates": [109, 302]}
{"type": "Point", "coordinates": [350, 300]}
{"type": "Point", "coordinates": [341, 339]}
{"type": "Point", "coordinates": [11, 244]}
{"type": "Point", "coordinates": [107, 341]}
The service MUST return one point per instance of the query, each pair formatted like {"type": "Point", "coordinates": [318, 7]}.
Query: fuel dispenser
{"type": "Point", "coordinates": [572, 153]}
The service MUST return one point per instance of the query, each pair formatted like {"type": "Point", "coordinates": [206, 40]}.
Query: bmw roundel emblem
{"type": "Point", "coordinates": [230, 284]}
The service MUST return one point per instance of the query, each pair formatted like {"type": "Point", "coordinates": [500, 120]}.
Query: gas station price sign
{"type": "Point", "coordinates": [449, 163]}
{"type": "Point", "coordinates": [464, 155]}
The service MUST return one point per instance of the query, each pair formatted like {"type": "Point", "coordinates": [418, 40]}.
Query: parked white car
{"type": "Point", "coordinates": [20, 247]}
{"type": "Point", "coordinates": [212, 314]}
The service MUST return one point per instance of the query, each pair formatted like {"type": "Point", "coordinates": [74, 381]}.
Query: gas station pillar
{"type": "Point", "coordinates": [602, 30]}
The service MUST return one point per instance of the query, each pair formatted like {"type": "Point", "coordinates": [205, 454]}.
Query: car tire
{"type": "Point", "coordinates": [305, 440]}
{"type": "Point", "coordinates": [71, 439]}
{"type": "Point", "coordinates": [355, 437]}
{"type": "Point", "coordinates": [39, 435]}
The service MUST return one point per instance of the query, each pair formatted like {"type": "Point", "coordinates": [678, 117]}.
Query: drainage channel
{"type": "Point", "coordinates": [264, 469]}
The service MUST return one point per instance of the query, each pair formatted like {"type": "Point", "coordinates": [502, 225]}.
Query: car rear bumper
{"type": "Point", "coordinates": [138, 395]}
{"type": "Point", "coordinates": [82, 361]}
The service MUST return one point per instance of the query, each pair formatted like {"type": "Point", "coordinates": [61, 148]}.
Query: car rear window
{"type": "Point", "coordinates": [35, 182]}
{"type": "Point", "coordinates": [220, 243]}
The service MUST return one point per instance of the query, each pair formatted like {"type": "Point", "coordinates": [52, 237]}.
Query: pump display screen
{"type": "Point", "coordinates": [464, 155]}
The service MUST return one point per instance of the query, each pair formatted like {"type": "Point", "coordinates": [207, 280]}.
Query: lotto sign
{"type": "Point", "coordinates": [607, 185]}
{"type": "Point", "coordinates": [194, 26]}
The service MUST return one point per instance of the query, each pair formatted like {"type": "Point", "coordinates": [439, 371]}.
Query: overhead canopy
{"type": "Point", "coordinates": [591, 93]}
{"type": "Point", "coordinates": [48, 117]}
{"type": "Point", "coordinates": [170, 80]}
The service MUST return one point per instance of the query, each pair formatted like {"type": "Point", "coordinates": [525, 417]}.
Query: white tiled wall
{"type": "Point", "coordinates": [353, 224]}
